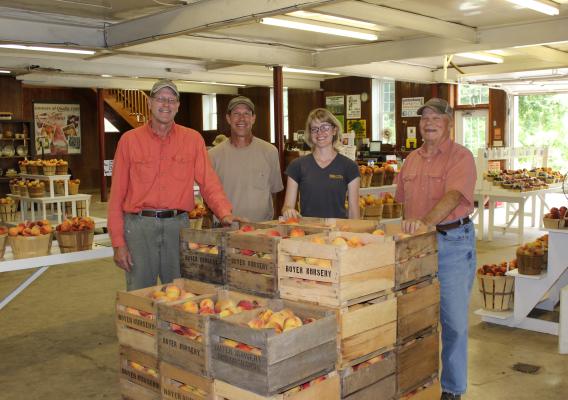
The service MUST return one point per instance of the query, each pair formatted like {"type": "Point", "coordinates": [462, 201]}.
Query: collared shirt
{"type": "Point", "coordinates": [154, 173]}
{"type": "Point", "coordinates": [424, 179]}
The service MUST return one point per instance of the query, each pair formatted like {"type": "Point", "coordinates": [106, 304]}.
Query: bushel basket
{"type": "Point", "coordinates": [531, 265]}
{"type": "Point", "coordinates": [75, 240]}
{"type": "Point", "coordinates": [496, 291]}
{"type": "Point", "coordinates": [30, 246]}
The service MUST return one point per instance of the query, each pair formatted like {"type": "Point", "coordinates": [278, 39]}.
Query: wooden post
{"type": "Point", "coordinates": [101, 130]}
{"type": "Point", "coordinates": [278, 83]}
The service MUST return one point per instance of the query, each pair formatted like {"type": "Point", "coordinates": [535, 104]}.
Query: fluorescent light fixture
{"type": "Point", "coordinates": [308, 71]}
{"type": "Point", "coordinates": [216, 83]}
{"type": "Point", "coordinates": [49, 49]}
{"type": "Point", "coordinates": [497, 52]}
{"type": "Point", "coordinates": [286, 23]}
{"type": "Point", "coordinates": [540, 6]}
{"type": "Point", "coordinates": [4, 71]}
{"type": "Point", "coordinates": [334, 20]}
{"type": "Point", "coordinates": [106, 76]}
{"type": "Point", "coordinates": [482, 57]}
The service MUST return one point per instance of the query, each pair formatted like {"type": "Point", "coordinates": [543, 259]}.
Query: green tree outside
{"type": "Point", "coordinates": [543, 121]}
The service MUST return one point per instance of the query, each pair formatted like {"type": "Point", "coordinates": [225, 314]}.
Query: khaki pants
{"type": "Point", "coordinates": [154, 247]}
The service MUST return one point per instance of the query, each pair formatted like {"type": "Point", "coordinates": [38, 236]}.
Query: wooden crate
{"type": "Point", "coordinates": [202, 254]}
{"type": "Point", "coordinates": [428, 391]}
{"type": "Point", "coordinates": [366, 328]}
{"type": "Point", "coordinates": [140, 369]}
{"type": "Point", "coordinates": [179, 384]}
{"type": "Point", "coordinates": [193, 355]}
{"type": "Point", "coordinates": [136, 314]}
{"type": "Point", "coordinates": [364, 381]}
{"type": "Point", "coordinates": [132, 391]}
{"type": "Point", "coordinates": [283, 360]}
{"type": "Point", "coordinates": [417, 362]}
{"type": "Point", "coordinates": [330, 224]}
{"type": "Point", "coordinates": [418, 309]}
{"type": "Point", "coordinates": [354, 275]}
{"type": "Point", "coordinates": [327, 389]}
{"type": "Point", "coordinates": [256, 273]}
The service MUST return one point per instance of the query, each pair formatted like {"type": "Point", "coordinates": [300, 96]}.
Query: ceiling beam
{"type": "Point", "coordinates": [548, 31]}
{"type": "Point", "coordinates": [390, 70]}
{"type": "Point", "coordinates": [199, 17]}
{"type": "Point", "coordinates": [387, 16]}
{"type": "Point", "coordinates": [545, 54]}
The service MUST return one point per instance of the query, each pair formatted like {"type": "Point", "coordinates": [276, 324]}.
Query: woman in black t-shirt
{"type": "Point", "coordinates": [324, 177]}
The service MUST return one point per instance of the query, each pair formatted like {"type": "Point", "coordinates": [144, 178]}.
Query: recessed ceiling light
{"type": "Point", "coordinates": [482, 57]}
{"type": "Point", "coordinates": [48, 49]}
{"type": "Point", "coordinates": [286, 23]}
{"type": "Point", "coordinates": [538, 5]}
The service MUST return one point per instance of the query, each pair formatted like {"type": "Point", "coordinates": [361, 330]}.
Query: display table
{"type": "Point", "coordinates": [50, 179]}
{"type": "Point", "coordinates": [57, 201]}
{"type": "Point", "coordinates": [495, 194]}
{"type": "Point", "coordinates": [378, 189]}
{"type": "Point", "coordinates": [539, 291]}
{"type": "Point", "coordinates": [101, 249]}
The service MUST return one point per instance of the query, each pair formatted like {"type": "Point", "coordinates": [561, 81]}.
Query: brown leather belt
{"type": "Point", "coordinates": [452, 225]}
{"type": "Point", "coordinates": [160, 213]}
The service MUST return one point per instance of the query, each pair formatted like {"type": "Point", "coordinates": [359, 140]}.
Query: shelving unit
{"type": "Point", "coordinates": [51, 179]}
{"type": "Point", "coordinates": [541, 292]}
{"type": "Point", "coordinates": [22, 129]}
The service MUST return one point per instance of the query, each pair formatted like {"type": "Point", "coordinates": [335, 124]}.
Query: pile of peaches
{"type": "Point", "coordinates": [558, 213]}
{"type": "Point", "coordinates": [192, 389]}
{"type": "Point", "coordinates": [537, 248]}
{"type": "Point", "coordinates": [497, 269]}
{"type": "Point", "coordinates": [76, 224]}
{"type": "Point", "coordinates": [306, 385]}
{"type": "Point", "coordinates": [31, 228]}
{"type": "Point", "coordinates": [294, 232]}
{"type": "Point", "coordinates": [141, 368]}
{"type": "Point", "coordinates": [198, 211]}
{"type": "Point", "coordinates": [203, 248]}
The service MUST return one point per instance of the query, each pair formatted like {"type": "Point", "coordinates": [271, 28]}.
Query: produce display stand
{"type": "Point", "coordinates": [58, 201]}
{"type": "Point", "coordinates": [50, 179]}
{"type": "Point", "coordinates": [378, 189]}
{"type": "Point", "coordinates": [539, 291]}
{"type": "Point", "coordinates": [101, 249]}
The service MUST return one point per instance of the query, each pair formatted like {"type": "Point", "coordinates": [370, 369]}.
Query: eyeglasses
{"type": "Point", "coordinates": [246, 114]}
{"type": "Point", "coordinates": [165, 100]}
{"type": "Point", "coordinates": [324, 128]}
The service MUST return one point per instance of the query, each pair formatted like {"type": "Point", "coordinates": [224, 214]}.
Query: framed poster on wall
{"type": "Point", "coordinates": [57, 128]}
{"type": "Point", "coordinates": [335, 104]}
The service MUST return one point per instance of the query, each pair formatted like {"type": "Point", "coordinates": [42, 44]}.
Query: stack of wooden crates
{"type": "Point", "coordinates": [373, 312]}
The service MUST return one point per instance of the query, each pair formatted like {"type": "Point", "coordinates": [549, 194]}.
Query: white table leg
{"type": "Point", "coordinates": [563, 328]}
{"type": "Point", "coordinates": [22, 286]}
{"type": "Point", "coordinates": [491, 222]}
{"type": "Point", "coordinates": [32, 208]}
{"type": "Point", "coordinates": [481, 216]}
{"type": "Point", "coordinates": [43, 209]}
{"type": "Point", "coordinates": [74, 208]}
{"type": "Point", "coordinates": [542, 198]}
{"type": "Point", "coordinates": [23, 209]}
{"type": "Point", "coordinates": [533, 214]}
{"type": "Point", "coordinates": [521, 220]}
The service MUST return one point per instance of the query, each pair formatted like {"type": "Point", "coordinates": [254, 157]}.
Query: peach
{"type": "Point", "coordinates": [323, 263]}
{"type": "Point", "coordinates": [247, 228]}
{"type": "Point", "coordinates": [274, 325]}
{"type": "Point", "coordinates": [214, 250]}
{"type": "Point", "coordinates": [354, 242]}
{"type": "Point", "coordinates": [13, 231]}
{"type": "Point", "coordinates": [244, 347]}
{"type": "Point", "coordinates": [298, 259]}
{"type": "Point", "coordinates": [318, 380]}
{"type": "Point", "coordinates": [133, 311]}
{"type": "Point", "coordinates": [192, 246]}
{"type": "Point", "coordinates": [266, 256]}
{"type": "Point", "coordinates": [157, 294]}
{"type": "Point", "coordinates": [172, 292]}
{"type": "Point", "coordinates": [247, 304]}
{"type": "Point", "coordinates": [297, 232]}
{"type": "Point", "coordinates": [339, 241]}
{"type": "Point", "coordinates": [207, 303]}
{"type": "Point", "coordinates": [225, 313]}
{"type": "Point", "coordinates": [273, 233]}
{"type": "Point", "coordinates": [206, 311]}
{"type": "Point", "coordinates": [136, 366]}
{"type": "Point", "coordinates": [318, 240]}
{"type": "Point", "coordinates": [256, 323]}
{"type": "Point", "coordinates": [379, 232]}
{"type": "Point", "coordinates": [152, 372]}
{"type": "Point", "coordinates": [256, 351]}
{"type": "Point", "coordinates": [286, 312]}
{"type": "Point", "coordinates": [223, 304]}
{"type": "Point", "coordinates": [265, 315]}
{"type": "Point", "coordinates": [190, 307]}
{"type": "Point", "coordinates": [186, 295]}
{"type": "Point", "coordinates": [292, 323]}
{"type": "Point", "coordinates": [230, 343]}
{"type": "Point", "coordinates": [246, 252]}
{"type": "Point", "coordinates": [277, 318]}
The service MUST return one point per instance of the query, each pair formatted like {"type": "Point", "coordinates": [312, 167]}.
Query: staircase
{"type": "Point", "coordinates": [130, 104]}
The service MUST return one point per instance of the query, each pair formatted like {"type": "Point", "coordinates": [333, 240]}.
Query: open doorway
{"type": "Point", "coordinates": [472, 127]}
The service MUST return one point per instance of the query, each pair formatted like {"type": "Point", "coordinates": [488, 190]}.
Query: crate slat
{"type": "Point", "coordinates": [417, 362]}
{"type": "Point", "coordinates": [355, 380]}
{"type": "Point", "coordinates": [418, 309]}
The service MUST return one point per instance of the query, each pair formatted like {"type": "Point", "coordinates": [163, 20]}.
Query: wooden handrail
{"type": "Point", "coordinates": [133, 100]}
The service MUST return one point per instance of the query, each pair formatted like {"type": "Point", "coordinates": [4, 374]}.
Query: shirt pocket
{"type": "Point", "coordinates": [436, 186]}
{"type": "Point", "coordinates": [180, 167]}
{"type": "Point", "coordinates": [144, 170]}
{"type": "Point", "coordinates": [409, 183]}
{"type": "Point", "coordinates": [261, 179]}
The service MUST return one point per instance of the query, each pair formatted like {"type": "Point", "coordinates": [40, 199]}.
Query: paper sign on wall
{"type": "Point", "coordinates": [353, 106]}
{"type": "Point", "coordinates": [108, 167]}
{"type": "Point", "coordinates": [410, 106]}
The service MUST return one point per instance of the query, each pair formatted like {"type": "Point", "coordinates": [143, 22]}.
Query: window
{"type": "Point", "coordinates": [209, 111]}
{"type": "Point", "coordinates": [471, 95]}
{"type": "Point", "coordinates": [109, 127]}
{"type": "Point", "coordinates": [284, 114]}
{"type": "Point", "coordinates": [383, 110]}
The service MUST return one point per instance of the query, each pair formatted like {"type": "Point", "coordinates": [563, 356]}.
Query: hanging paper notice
{"type": "Point", "coordinates": [353, 106]}
{"type": "Point", "coordinates": [410, 106]}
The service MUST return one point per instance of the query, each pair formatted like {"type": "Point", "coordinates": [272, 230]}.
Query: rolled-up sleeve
{"type": "Point", "coordinates": [462, 175]}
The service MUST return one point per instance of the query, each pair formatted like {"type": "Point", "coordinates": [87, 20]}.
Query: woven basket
{"type": "Point", "coordinates": [73, 188]}
{"type": "Point", "coordinates": [496, 291]}
{"type": "Point", "coordinates": [3, 242]}
{"type": "Point", "coordinates": [15, 189]}
{"type": "Point", "coordinates": [389, 177]}
{"type": "Point", "coordinates": [531, 265]}
{"type": "Point", "coordinates": [396, 210]}
{"type": "Point", "coordinates": [23, 191]}
{"type": "Point", "coordinates": [61, 169]}
{"type": "Point", "coordinates": [81, 208]}
{"type": "Point", "coordinates": [388, 210]}
{"type": "Point", "coordinates": [59, 188]}
{"type": "Point", "coordinates": [48, 170]}
{"type": "Point", "coordinates": [33, 169]}
{"type": "Point", "coordinates": [373, 212]}
{"type": "Point", "coordinates": [30, 246]}
{"type": "Point", "coordinates": [378, 178]}
{"type": "Point", "coordinates": [552, 223]}
{"type": "Point", "coordinates": [8, 212]}
{"type": "Point", "coordinates": [196, 223]}
{"type": "Point", "coordinates": [23, 169]}
{"type": "Point", "coordinates": [36, 192]}
{"type": "Point", "coordinates": [75, 240]}
{"type": "Point", "coordinates": [366, 180]}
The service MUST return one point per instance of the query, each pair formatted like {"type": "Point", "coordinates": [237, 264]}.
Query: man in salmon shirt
{"type": "Point", "coordinates": [436, 185]}
{"type": "Point", "coordinates": [155, 167]}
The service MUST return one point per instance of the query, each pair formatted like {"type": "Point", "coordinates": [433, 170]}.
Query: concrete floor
{"type": "Point", "coordinates": [57, 338]}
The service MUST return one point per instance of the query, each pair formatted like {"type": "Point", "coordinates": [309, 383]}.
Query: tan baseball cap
{"type": "Point", "coordinates": [437, 105]}
{"type": "Point", "coordinates": [164, 83]}
{"type": "Point", "coordinates": [235, 101]}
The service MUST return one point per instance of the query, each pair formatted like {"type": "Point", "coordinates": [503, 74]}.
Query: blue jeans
{"type": "Point", "coordinates": [154, 246]}
{"type": "Point", "coordinates": [456, 270]}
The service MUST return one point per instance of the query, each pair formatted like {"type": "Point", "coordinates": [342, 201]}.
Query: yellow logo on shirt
{"type": "Point", "coordinates": [334, 176]}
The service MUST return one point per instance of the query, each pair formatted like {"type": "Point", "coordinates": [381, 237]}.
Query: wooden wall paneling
{"type": "Point", "coordinates": [404, 90]}
{"type": "Point", "coordinates": [260, 96]}
{"type": "Point", "coordinates": [11, 98]}
{"type": "Point", "coordinates": [352, 85]}
{"type": "Point", "coordinates": [190, 113]}
{"type": "Point", "coordinates": [300, 103]}
{"type": "Point", "coordinates": [497, 115]}
{"type": "Point", "coordinates": [84, 166]}
{"type": "Point", "coordinates": [222, 103]}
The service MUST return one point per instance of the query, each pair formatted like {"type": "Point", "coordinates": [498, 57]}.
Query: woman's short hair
{"type": "Point", "coordinates": [322, 115]}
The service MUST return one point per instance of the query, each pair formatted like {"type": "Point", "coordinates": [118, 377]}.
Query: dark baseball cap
{"type": "Point", "coordinates": [235, 101]}
{"type": "Point", "coordinates": [437, 105]}
{"type": "Point", "coordinates": [164, 83]}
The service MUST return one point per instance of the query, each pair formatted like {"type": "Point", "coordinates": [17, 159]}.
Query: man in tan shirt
{"type": "Point", "coordinates": [248, 167]}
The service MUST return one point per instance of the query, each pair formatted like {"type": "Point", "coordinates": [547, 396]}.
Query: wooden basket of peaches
{"type": "Point", "coordinates": [196, 216]}
{"type": "Point", "coordinates": [48, 167]}
{"type": "Point", "coordinates": [366, 175]}
{"type": "Point", "coordinates": [36, 188]}
{"type": "Point", "coordinates": [61, 167]}
{"type": "Point", "coordinates": [557, 218]}
{"type": "Point", "coordinates": [75, 234]}
{"type": "Point", "coordinates": [8, 209]}
{"type": "Point", "coordinates": [495, 287]}
{"type": "Point", "coordinates": [30, 239]}
{"type": "Point", "coordinates": [532, 257]}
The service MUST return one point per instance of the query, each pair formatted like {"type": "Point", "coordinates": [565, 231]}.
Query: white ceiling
{"type": "Point", "coordinates": [138, 41]}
